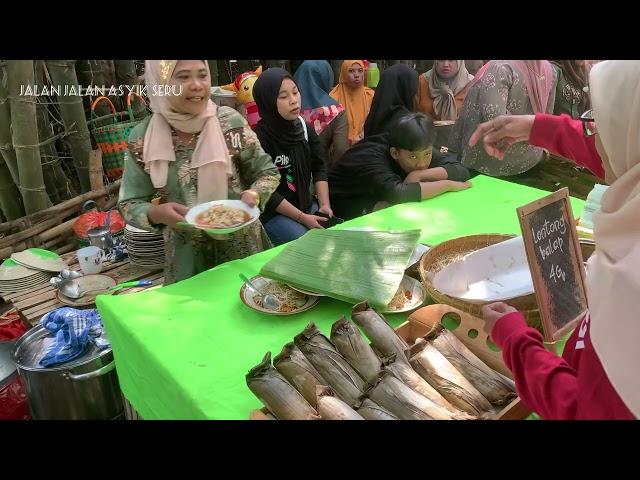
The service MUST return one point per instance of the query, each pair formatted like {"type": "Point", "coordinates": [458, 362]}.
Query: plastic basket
{"type": "Point", "coordinates": [112, 139]}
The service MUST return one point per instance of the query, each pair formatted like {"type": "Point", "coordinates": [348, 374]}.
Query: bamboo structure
{"type": "Point", "coordinates": [127, 76]}
{"type": "Point", "coordinates": [213, 70]}
{"type": "Point", "coordinates": [63, 75]}
{"type": "Point", "coordinates": [72, 205]}
{"type": "Point", "coordinates": [25, 136]}
{"type": "Point", "coordinates": [58, 185]}
{"type": "Point", "coordinates": [49, 227]}
{"type": "Point", "coordinates": [10, 205]}
{"type": "Point", "coordinates": [6, 142]}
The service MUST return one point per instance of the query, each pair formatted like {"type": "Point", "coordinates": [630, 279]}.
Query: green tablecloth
{"type": "Point", "coordinates": [182, 351]}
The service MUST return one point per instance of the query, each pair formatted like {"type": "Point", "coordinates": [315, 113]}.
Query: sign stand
{"type": "Point", "coordinates": [555, 260]}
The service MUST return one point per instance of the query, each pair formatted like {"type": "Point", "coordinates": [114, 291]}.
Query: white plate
{"type": "Point", "coordinates": [496, 273]}
{"type": "Point", "coordinates": [194, 211]}
{"type": "Point", "coordinates": [246, 295]}
{"type": "Point", "coordinates": [417, 254]}
{"type": "Point", "coordinates": [307, 292]}
{"type": "Point", "coordinates": [418, 294]}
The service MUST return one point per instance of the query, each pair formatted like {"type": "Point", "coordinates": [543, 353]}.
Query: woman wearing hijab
{"type": "Point", "coordinates": [504, 87]}
{"type": "Point", "coordinates": [189, 151]}
{"type": "Point", "coordinates": [596, 377]}
{"type": "Point", "coordinates": [393, 99]}
{"type": "Point", "coordinates": [296, 151]}
{"type": "Point", "coordinates": [571, 93]}
{"type": "Point", "coordinates": [326, 115]}
{"type": "Point", "coordinates": [355, 96]}
{"type": "Point", "coordinates": [442, 89]}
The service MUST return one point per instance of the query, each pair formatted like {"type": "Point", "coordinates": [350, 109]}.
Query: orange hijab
{"type": "Point", "coordinates": [356, 101]}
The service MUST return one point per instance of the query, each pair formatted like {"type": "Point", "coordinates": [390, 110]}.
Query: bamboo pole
{"type": "Point", "coordinates": [213, 69]}
{"type": "Point", "coordinates": [223, 73]}
{"type": "Point", "coordinates": [29, 232]}
{"type": "Point", "coordinates": [69, 247]}
{"type": "Point", "coordinates": [58, 185]}
{"type": "Point", "coordinates": [73, 203]}
{"type": "Point", "coordinates": [96, 173]}
{"type": "Point", "coordinates": [111, 80]}
{"type": "Point", "coordinates": [126, 75]}
{"type": "Point", "coordinates": [10, 205]}
{"type": "Point", "coordinates": [25, 136]}
{"type": "Point", "coordinates": [63, 75]}
{"type": "Point", "coordinates": [62, 229]}
{"type": "Point", "coordinates": [6, 142]}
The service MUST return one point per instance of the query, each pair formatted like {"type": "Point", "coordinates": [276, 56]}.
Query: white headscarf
{"type": "Point", "coordinates": [210, 156]}
{"type": "Point", "coordinates": [613, 282]}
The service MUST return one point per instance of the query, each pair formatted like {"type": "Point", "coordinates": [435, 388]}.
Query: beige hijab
{"type": "Point", "coordinates": [613, 282]}
{"type": "Point", "coordinates": [210, 156]}
{"type": "Point", "coordinates": [444, 91]}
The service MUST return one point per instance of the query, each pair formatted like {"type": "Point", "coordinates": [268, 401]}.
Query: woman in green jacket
{"type": "Point", "coordinates": [189, 152]}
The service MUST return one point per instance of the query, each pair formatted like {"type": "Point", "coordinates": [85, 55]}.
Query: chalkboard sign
{"type": "Point", "coordinates": [555, 261]}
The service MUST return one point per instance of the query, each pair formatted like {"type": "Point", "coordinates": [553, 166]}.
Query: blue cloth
{"type": "Point", "coordinates": [282, 229]}
{"type": "Point", "coordinates": [315, 80]}
{"type": "Point", "coordinates": [74, 330]}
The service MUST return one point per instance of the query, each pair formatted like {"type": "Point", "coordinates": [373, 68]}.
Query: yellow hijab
{"type": "Point", "coordinates": [357, 101]}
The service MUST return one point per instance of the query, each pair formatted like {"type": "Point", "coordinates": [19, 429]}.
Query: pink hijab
{"type": "Point", "coordinates": [538, 79]}
{"type": "Point", "coordinates": [210, 156]}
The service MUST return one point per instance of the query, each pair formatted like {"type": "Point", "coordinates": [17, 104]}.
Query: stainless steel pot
{"type": "Point", "coordinates": [101, 236]}
{"type": "Point", "coordinates": [7, 367]}
{"type": "Point", "coordinates": [85, 388]}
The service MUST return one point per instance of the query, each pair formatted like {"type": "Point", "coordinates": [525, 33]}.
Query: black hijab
{"type": "Point", "coordinates": [271, 124]}
{"type": "Point", "coordinates": [394, 97]}
{"type": "Point", "coordinates": [277, 135]}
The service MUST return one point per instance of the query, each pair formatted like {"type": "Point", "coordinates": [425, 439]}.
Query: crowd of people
{"type": "Point", "coordinates": [324, 148]}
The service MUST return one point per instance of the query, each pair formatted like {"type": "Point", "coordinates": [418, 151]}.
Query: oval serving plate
{"type": "Point", "coordinates": [247, 297]}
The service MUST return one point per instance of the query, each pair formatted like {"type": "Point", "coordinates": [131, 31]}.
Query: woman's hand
{"type": "Point", "coordinates": [167, 213]}
{"type": "Point", "coordinates": [493, 312]}
{"type": "Point", "coordinates": [327, 210]}
{"type": "Point", "coordinates": [250, 197]}
{"type": "Point", "coordinates": [502, 132]}
{"type": "Point", "coordinates": [311, 221]}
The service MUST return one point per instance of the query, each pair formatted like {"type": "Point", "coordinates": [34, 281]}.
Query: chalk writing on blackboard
{"type": "Point", "coordinates": [555, 261]}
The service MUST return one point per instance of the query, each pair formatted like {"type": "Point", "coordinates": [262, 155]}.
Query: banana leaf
{"type": "Point", "coordinates": [347, 265]}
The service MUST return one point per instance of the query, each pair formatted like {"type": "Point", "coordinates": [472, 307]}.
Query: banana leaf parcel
{"type": "Point", "coordinates": [347, 265]}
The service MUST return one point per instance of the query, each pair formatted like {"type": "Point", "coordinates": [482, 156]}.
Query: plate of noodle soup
{"type": "Point", "coordinates": [291, 301]}
{"type": "Point", "coordinates": [222, 216]}
{"type": "Point", "coordinates": [409, 296]}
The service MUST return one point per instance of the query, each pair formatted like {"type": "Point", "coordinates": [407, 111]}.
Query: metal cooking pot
{"type": "Point", "coordinates": [101, 236]}
{"type": "Point", "coordinates": [7, 368]}
{"type": "Point", "coordinates": [85, 388]}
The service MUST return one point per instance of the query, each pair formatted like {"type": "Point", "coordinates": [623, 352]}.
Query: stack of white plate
{"type": "Point", "coordinates": [15, 277]}
{"type": "Point", "coordinates": [146, 249]}
{"type": "Point", "coordinates": [40, 259]}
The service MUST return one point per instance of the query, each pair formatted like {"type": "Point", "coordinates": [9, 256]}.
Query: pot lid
{"type": "Point", "coordinates": [31, 347]}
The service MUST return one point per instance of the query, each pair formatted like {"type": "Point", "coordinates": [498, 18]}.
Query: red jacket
{"type": "Point", "coordinates": [564, 136]}
{"type": "Point", "coordinates": [574, 387]}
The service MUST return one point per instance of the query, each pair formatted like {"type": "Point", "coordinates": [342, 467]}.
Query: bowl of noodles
{"type": "Point", "coordinates": [222, 216]}
{"type": "Point", "coordinates": [291, 301]}
{"type": "Point", "coordinates": [409, 296]}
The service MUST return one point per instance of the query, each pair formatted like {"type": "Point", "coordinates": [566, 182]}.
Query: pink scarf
{"type": "Point", "coordinates": [537, 76]}
{"type": "Point", "coordinates": [210, 156]}
{"type": "Point", "coordinates": [538, 79]}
